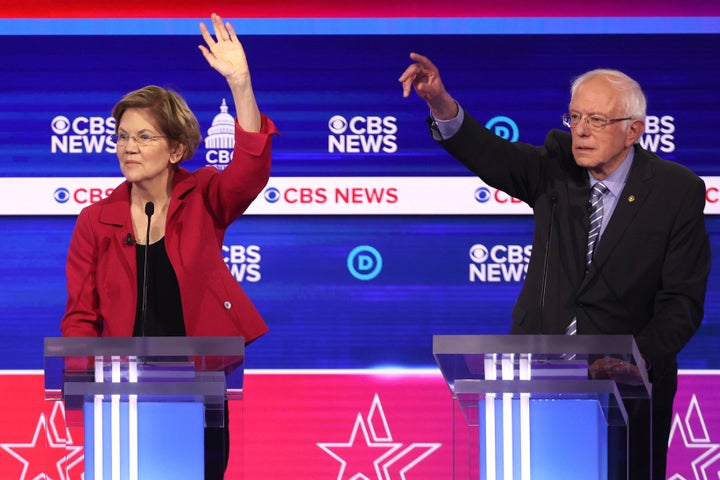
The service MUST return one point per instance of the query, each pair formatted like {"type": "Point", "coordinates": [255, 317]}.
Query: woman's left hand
{"type": "Point", "coordinates": [225, 53]}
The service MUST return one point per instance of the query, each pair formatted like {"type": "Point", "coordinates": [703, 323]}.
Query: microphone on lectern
{"type": "Point", "coordinates": [543, 288]}
{"type": "Point", "coordinates": [149, 210]}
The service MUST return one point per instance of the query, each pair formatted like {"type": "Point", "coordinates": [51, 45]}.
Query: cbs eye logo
{"type": "Point", "coordinates": [479, 253]}
{"type": "Point", "coordinates": [483, 195]}
{"type": "Point", "coordinates": [272, 195]}
{"type": "Point", "coordinates": [337, 124]}
{"type": "Point", "coordinates": [60, 125]}
{"type": "Point", "coordinates": [61, 195]}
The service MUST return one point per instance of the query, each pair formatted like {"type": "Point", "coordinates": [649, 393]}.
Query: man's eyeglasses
{"type": "Point", "coordinates": [143, 139]}
{"type": "Point", "coordinates": [593, 120]}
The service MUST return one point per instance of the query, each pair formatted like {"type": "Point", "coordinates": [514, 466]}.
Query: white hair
{"type": "Point", "coordinates": [633, 98]}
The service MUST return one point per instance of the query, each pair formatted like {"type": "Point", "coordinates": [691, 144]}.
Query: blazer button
{"type": "Point", "coordinates": [227, 305]}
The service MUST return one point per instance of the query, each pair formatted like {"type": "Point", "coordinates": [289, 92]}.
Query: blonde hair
{"type": "Point", "coordinates": [171, 111]}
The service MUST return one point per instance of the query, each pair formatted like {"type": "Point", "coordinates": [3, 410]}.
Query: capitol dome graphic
{"type": "Point", "coordinates": [221, 135]}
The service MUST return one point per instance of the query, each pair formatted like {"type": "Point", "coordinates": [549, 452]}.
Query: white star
{"type": "Point", "coordinates": [414, 453]}
{"type": "Point", "coordinates": [389, 461]}
{"type": "Point", "coordinates": [694, 435]}
{"type": "Point", "coordinates": [59, 444]}
{"type": "Point", "coordinates": [356, 461]}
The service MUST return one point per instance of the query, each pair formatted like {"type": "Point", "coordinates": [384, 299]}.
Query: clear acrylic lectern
{"type": "Point", "coordinates": [143, 403]}
{"type": "Point", "coordinates": [545, 406]}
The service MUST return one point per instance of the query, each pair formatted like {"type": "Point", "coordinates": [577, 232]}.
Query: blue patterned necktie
{"type": "Point", "coordinates": [596, 215]}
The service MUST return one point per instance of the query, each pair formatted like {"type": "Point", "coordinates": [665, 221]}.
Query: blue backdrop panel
{"type": "Point", "coordinates": [320, 314]}
{"type": "Point", "coordinates": [323, 314]}
{"type": "Point", "coordinates": [523, 77]}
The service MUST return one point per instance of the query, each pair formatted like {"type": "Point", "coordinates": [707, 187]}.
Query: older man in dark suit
{"type": "Point", "coordinates": [632, 259]}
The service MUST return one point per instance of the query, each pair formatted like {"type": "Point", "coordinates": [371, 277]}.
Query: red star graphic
{"type": "Point", "coordinates": [361, 457]}
{"type": "Point", "coordinates": [46, 456]}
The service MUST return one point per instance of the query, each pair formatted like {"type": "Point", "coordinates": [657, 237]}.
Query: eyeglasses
{"type": "Point", "coordinates": [143, 139]}
{"type": "Point", "coordinates": [593, 120]}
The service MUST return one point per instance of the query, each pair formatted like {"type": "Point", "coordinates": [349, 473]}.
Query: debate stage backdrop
{"type": "Point", "coordinates": [368, 239]}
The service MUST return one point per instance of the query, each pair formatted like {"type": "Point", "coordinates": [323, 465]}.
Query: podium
{"type": "Point", "coordinates": [539, 407]}
{"type": "Point", "coordinates": [144, 404]}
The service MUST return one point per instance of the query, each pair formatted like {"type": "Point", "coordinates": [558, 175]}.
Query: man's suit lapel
{"type": "Point", "coordinates": [578, 193]}
{"type": "Point", "coordinates": [630, 200]}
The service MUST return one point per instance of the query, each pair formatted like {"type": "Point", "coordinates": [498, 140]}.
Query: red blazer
{"type": "Point", "coordinates": [101, 268]}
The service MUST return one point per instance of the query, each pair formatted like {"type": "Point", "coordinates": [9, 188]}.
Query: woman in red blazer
{"type": "Point", "coordinates": [190, 289]}
{"type": "Point", "coordinates": [172, 221]}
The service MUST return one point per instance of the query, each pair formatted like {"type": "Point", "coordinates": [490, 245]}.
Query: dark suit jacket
{"type": "Point", "coordinates": [650, 270]}
{"type": "Point", "coordinates": [102, 269]}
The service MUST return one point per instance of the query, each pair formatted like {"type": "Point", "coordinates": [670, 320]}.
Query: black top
{"type": "Point", "coordinates": [164, 308]}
